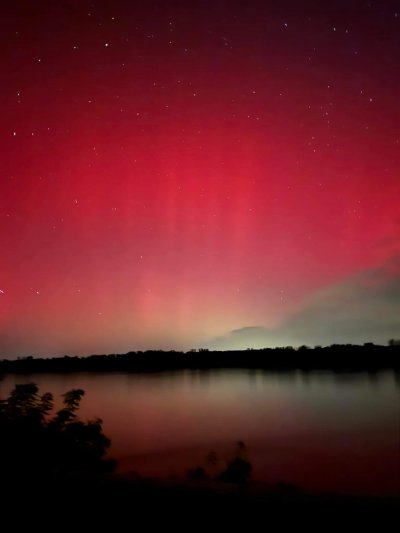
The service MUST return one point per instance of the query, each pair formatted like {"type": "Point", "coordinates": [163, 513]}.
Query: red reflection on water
{"type": "Point", "coordinates": [322, 433]}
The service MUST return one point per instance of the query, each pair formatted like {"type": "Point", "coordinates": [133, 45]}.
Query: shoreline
{"type": "Point", "coordinates": [336, 358]}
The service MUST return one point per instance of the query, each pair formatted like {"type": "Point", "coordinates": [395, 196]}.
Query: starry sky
{"type": "Point", "coordinates": [180, 174]}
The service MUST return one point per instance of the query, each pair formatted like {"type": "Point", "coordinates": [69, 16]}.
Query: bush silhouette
{"type": "Point", "coordinates": [237, 471]}
{"type": "Point", "coordinates": [197, 473]}
{"type": "Point", "coordinates": [33, 442]}
{"type": "Point", "coordinates": [239, 468]}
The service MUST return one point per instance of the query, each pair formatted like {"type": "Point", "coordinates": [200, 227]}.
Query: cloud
{"type": "Point", "coordinates": [363, 308]}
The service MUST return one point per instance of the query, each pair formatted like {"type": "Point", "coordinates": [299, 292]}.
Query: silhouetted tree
{"type": "Point", "coordinates": [239, 468]}
{"type": "Point", "coordinates": [394, 342]}
{"type": "Point", "coordinates": [33, 442]}
{"type": "Point", "coordinates": [238, 472]}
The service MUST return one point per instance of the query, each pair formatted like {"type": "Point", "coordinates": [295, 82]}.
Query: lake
{"type": "Point", "coordinates": [320, 431]}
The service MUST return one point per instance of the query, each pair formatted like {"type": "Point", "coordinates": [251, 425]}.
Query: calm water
{"type": "Point", "coordinates": [320, 431]}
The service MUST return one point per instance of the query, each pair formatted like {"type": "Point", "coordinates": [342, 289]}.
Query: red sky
{"type": "Point", "coordinates": [170, 172]}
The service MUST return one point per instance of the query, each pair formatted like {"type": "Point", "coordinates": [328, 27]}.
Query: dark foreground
{"type": "Point", "coordinates": [117, 503]}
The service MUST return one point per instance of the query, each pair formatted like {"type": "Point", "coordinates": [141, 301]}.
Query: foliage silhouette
{"type": "Point", "coordinates": [34, 443]}
{"type": "Point", "coordinates": [239, 468]}
{"type": "Point", "coordinates": [394, 342]}
{"type": "Point", "coordinates": [237, 471]}
{"type": "Point", "coordinates": [337, 357]}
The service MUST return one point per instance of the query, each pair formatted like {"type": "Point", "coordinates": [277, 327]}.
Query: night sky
{"type": "Point", "coordinates": [183, 174]}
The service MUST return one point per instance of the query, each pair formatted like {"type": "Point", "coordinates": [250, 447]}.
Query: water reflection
{"type": "Point", "coordinates": [331, 431]}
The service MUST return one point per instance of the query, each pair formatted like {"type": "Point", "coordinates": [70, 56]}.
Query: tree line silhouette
{"type": "Point", "coordinates": [337, 357]}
